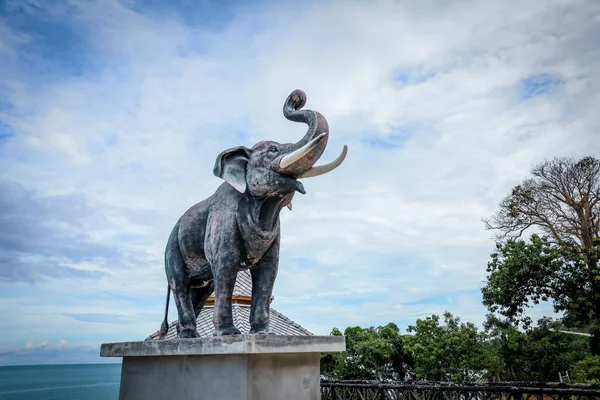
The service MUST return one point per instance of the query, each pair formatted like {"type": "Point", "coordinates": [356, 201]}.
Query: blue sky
{"type": "Point", "coordinates": [112, 114]}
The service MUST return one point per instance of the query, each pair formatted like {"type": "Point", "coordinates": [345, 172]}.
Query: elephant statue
{"type": "Point", "coordinates": [237, 227]}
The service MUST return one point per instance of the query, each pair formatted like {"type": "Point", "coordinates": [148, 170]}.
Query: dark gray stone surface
{"type": "Point", "coordinates": [238, 226]}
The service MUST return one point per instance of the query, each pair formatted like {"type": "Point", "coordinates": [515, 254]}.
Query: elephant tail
{"type": "Point", "coordinates": [164, 327]}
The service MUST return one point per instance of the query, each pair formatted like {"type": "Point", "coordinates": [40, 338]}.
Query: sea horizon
{"type": "Point", "coordinates": [77, 381]}
{"type": "Point", "coordinates": [62, 363]}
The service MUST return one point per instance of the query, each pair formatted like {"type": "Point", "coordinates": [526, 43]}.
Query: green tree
{"type": "Point", "coordinates": [371, 354]}
{"type": "Point", "coordinates": [562, 199]}
{"type": "Point", "coordinates": [587, 370]}
{"type": "Point", "coordinates": [521, 274]}
{"type": "Point", "coordinates": [453, 351]}
{"type": "Point", "coordinates": [539, 353]}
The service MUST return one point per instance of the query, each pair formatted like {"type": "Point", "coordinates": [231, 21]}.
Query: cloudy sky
{"type": "Point", "coordinates": [112, 114]}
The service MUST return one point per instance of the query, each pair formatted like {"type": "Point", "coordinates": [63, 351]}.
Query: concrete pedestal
{"type": "Point", "coordinates": [239, 367]}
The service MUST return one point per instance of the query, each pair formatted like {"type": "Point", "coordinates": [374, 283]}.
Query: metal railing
{"type": "Point", "coordinates": [376, 390]}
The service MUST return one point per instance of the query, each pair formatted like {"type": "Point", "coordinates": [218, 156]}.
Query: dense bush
{"type": "Point", "coordinates": [587, 370]}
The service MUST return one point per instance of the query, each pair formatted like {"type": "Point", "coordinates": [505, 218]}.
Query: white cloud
{"type": "Point", "coordinates": [139, 139]}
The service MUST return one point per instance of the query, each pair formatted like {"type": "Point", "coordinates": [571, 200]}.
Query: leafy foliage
{"type": "Point", "coordinates": [456, 351]}
{"type": "Point", "coordinates": [453, 351]}
{"type": "Point", "coordinates": [538, 354]}
{"type": "Point", "coordinates": [587, 370]}
{"type": "Point", "coordinates": [371, 353]}
{"type": "Point", "coordinates": [522, 273]}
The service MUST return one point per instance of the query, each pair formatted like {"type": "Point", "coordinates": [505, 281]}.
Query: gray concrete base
{"type": "Point", "coordinates": [241, 367]}
{"type": "Point", "coordinates": [248, 377]}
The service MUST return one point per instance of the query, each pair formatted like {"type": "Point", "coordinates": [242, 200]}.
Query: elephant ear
{"type": "Point", "coordinates": [231, 167]}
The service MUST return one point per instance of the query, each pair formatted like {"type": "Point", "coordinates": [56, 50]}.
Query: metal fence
{"type": "Point", "coordinates": [375, 390]}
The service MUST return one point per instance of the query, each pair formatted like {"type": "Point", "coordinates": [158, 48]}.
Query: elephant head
{"type": "Point", "coordinates": [271, 169]}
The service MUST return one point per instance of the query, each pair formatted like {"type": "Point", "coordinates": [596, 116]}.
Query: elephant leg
{"type": "Point", "coordinates": [224, 280]}
{"type": "Point", "coordinates": [200, 295]}
{"type": "Point", "coordinates": [263, 279]}
{"type": "Point", "coordinates": [180, 286]}
{"type": "Point", "coordinates": [186, 326]}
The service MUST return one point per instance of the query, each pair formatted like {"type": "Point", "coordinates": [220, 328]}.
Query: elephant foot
{"type": "Point", "coordinates": [260, 330]}
{"type": "Point", "coordinates": [229, 330]}
{"type": "Point", "coordinates": [188, 334]}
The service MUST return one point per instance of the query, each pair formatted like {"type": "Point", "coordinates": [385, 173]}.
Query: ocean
{"type": "Point", "coordinates": [60, 382]}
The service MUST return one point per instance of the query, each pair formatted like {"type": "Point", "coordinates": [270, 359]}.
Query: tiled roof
{"type": "Point", "coordinates": [243, 284]}
{"type": "Point", "coordinates": [280, 324]}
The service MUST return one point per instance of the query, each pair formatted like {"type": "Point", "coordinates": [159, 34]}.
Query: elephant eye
{"type": "Point", "coordinates": [273, 149]}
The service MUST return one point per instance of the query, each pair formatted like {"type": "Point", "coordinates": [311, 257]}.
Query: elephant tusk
{"type": "Point", "coordinates": [294, 156]}
{"type": "Point", "coordinates": [323, 169]}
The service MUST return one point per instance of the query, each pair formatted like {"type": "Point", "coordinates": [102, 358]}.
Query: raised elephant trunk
{"type": "Point", "coordinates": [305, 153]}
